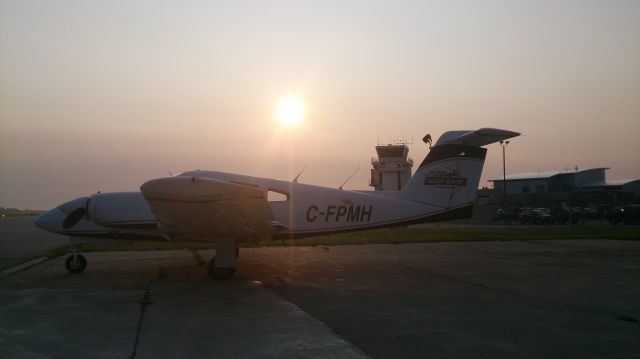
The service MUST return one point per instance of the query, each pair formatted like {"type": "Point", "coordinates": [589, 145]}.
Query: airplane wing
{"type": "Point", "coordinates": [203, 209]}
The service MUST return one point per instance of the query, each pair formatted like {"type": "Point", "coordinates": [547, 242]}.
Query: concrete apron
{"type": "Point", "coordinates": [153, 304]}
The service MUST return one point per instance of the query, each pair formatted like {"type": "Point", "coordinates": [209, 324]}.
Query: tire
{"type": "Point", "coordinates": [219, 273]}
{"type": "Point", "coordinates": [77, 266]}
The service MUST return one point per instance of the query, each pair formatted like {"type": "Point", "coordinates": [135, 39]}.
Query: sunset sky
{"type": "Point", "coordinates": [104, 95]}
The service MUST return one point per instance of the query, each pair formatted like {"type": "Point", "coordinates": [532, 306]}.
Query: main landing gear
{"type": "Point", "coordinates": [76, 262]}
{"type": "Point", "coordinates": [223, 265]}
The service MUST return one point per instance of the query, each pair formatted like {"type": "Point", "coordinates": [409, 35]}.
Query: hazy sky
{"type": "Point", "coordinates": [103, 95]}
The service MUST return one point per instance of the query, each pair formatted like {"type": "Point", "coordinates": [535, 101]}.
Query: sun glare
{"type": "Point", "coordinates": [290, 110]}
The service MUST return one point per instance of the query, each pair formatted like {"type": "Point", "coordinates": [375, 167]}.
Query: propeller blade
{"type": "Point", "coordinates": [74, 217]}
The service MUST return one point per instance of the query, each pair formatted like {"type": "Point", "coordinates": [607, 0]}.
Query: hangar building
{"type": "Point", "coordinates": [584, 188]}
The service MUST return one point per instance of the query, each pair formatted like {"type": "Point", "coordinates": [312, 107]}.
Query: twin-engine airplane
{"type": "Point", "coordinates": [228, 208]}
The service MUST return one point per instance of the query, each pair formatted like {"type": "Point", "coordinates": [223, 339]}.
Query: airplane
{"type": "Point", "coordinates": [226, 209]}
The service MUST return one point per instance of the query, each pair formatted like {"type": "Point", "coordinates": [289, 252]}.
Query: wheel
{"type": "Point", "coordinates": [219, 273]}
{"type": "Point", "coordinates": [76, 263]}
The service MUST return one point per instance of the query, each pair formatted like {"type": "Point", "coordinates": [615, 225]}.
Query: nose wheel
{"type": "Point", "coordinates": [75, 263]}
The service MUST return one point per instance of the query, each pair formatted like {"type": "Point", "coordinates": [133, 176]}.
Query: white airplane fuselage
{"type": "Point", "coordinates": [308, 210]}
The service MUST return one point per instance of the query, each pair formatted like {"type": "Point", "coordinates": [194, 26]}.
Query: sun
{"type": "Point", "coordinates": [290, 110]}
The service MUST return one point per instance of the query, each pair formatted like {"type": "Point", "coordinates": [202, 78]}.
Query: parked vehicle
{"type": "Point", "coordinates": [560, 215]}
{"type": "Point", "coordinates": [577, 214]}
{"type": "Point", "coordinates": [629, 214]}
{"type": "Point", "coordinates": [590, 212]}
{"type": "Point", "coordinates": [615, 215]}
{"type": "Point", "coordinates": [506, 214]}
{"type": "Point", "coordinates": [536, 216]}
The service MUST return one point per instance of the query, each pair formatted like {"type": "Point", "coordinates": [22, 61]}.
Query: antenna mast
{"type": "Point", "coordinates": [295, 180]}
{"type": "Point", "coordinates": [348, 178]}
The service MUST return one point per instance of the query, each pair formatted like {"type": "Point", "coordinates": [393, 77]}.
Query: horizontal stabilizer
{"type": "Point", "coordinates": [481, 137]}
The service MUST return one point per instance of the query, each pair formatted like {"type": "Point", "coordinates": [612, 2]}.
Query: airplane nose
{"type": "Point", "coordinates": [51, 220]}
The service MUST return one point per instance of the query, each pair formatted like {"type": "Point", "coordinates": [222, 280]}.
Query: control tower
{"type": "Point", "coordinates": [392, 169]}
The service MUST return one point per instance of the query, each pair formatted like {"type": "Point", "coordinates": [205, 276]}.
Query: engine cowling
{"type": "Point", "coordinates": [122, 210]}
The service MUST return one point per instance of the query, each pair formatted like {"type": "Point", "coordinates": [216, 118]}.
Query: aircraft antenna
{"type": "Point", "coordinates": [295, 180]}
{"type": "Point", "coordinates": [348, 178]}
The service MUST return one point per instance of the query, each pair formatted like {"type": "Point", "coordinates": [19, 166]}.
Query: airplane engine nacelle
{"type": "Point", "coordinates": [120, 210]}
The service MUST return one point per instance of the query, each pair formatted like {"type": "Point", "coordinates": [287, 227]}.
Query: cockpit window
{"type": "Point", "coordinates": [70, 206]}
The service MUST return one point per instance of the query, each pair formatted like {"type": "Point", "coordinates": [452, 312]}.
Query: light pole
{"type": "Point", "coordinates": [504, 173]}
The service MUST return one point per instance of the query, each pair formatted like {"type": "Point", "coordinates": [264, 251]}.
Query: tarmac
{"type": "Point", "coordinates": [554, 299]}
{"type": "Point", "coordinates": [20, 240]}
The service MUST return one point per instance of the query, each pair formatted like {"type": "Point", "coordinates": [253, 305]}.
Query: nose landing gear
{"type": "Point", "coordinates": [76, 262]}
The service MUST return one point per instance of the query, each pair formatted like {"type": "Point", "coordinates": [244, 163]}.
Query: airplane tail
{"type": "Point", "coordinates": [449, 176]}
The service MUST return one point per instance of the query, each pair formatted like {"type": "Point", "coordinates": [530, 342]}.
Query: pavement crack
{"type": "Point", "coordinates": [144, 302]}
{"type": "Point", "coordinates": [624, 317]}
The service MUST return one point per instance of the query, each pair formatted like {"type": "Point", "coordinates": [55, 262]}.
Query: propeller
{"type": "Point", "coordinates": [74, 217]}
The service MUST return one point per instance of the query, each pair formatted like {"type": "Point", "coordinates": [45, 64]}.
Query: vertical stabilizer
{"type": "Point", "coordinates": [449, 176]}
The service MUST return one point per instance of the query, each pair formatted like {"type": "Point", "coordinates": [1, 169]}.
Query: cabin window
{"type": "Point", "coordinates": [277, 196]}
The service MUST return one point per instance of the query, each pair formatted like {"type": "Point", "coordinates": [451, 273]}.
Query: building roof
{"type": "Point", "coordinates": [542, 174]}
{"type": "Point", "coordinates": [610, 183]}
{"type": "Point", "coordinates": [390, 151]}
